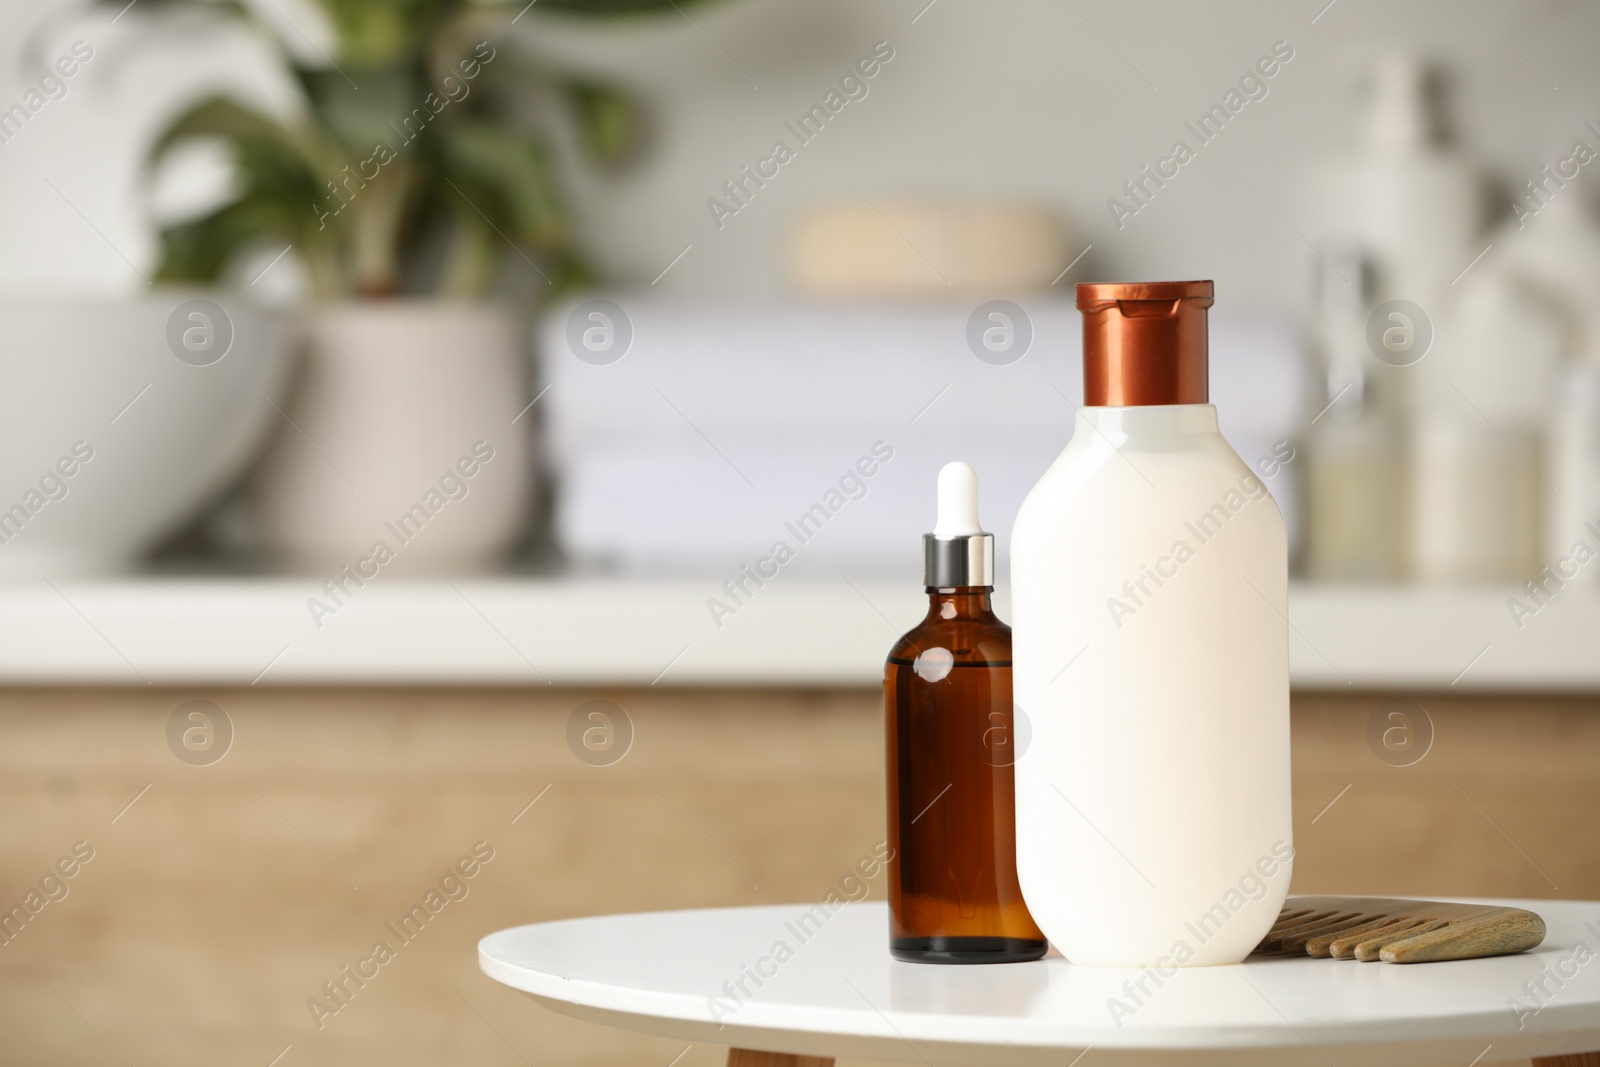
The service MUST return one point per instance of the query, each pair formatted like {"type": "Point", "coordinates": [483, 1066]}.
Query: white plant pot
{"type": "Point", "coordinates": [402, 437]}
{"type": "Point", "coordinates": [162, 432]}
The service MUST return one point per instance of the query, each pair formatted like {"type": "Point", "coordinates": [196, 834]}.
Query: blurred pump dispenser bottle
{"type": "Point", "coordinates": [951, 744]}
{"type": "Point", "coordinates": [1412, 203]}
{"type": "Point", "coordinates": [1489, 408]}
{"type": "Point", "coordinates": [1408, 208]}
{"type": "Point", "coordinates": [1400, 213]}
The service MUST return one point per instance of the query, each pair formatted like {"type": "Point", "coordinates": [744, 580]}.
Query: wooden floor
{"type": "Point", "coordinates": [225, 896]}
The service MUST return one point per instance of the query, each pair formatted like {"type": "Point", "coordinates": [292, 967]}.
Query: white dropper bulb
{"type": "Point", "coordinates": [958, 502]}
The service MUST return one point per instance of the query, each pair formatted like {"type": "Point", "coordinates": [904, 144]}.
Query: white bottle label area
{"type": "Point", "coordinates": [1149, 592]}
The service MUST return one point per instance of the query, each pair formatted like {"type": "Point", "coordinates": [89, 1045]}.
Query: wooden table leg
{"type": "Point", "coordinates": [1576, 1059]}
{"type": "Point", "coordinates": [743, 1057]}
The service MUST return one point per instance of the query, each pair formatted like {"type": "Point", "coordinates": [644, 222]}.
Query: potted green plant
{"type": "Point", "coordinates": [428, 218]}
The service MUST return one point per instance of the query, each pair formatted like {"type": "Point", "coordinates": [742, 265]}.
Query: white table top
{"type": "Point", "coordinates": [841, 994]}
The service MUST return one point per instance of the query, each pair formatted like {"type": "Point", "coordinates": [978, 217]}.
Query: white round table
{"type": "Point", "coordinates": [799, 984]}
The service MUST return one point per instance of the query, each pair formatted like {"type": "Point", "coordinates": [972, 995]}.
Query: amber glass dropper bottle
{"type": "Point", "coordinates": [953, 892]}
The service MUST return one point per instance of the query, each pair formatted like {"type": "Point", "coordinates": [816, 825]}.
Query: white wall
{"type": "Point", "coordinates": [999, 97]}
{"type": "Point", "coordinates": [1027, 98]}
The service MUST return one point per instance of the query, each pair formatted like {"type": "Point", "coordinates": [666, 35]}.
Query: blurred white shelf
{"type": "Point", "coordinates": [594, 633]}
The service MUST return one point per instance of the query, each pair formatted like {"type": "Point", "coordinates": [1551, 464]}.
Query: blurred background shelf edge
{"type": "Point", "coordinates": [611, 633]}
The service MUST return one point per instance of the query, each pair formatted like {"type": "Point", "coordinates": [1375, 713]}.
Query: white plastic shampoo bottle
{"type": "Point", "coordinates": [1149, 590]}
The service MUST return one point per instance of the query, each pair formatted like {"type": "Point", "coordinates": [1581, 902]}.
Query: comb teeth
{"type": "Point", "coordinates": [1300, 940]}
{"type": "Point", "coordinates": [1294, 921]}
{"type": "Point", "coordinates": [1398, 930]}
{"type": "Point", "coordinates": [1329, 943]}
{"type": "Point", "coordinates": [1369, 950]}
{"type": "Point", "coordinates": [1288, 928]}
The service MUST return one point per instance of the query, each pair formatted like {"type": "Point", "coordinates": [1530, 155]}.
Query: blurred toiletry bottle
{"type": "Point", "coordinates": [1411, 202]}
{"type": "Point", "coordinates": [1357, 457]}
{"type": "Point", "coordinates": [1554, 245]}
{"type": "Point", "coordinates": [1478, 481]}
{"type": "Point", "coordinates": [1150, 584]}
{"type": "Point", "coordinates": [1504, 404]}
{"type": "Point", "coordinates": [951, 746]}
{"type": "Point", "coordinates": [1572, 526]}
{"type": "Point", "coordinates": [1493, 421]}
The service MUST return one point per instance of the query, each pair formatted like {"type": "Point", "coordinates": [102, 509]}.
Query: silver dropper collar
{"type": "Point", "coordinates": [966, 559]}
{"type": "Point", "coordinates": [958, 552]}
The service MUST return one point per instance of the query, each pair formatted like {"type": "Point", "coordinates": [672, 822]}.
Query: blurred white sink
{"type": "Point", "coordinates": [108, 439]}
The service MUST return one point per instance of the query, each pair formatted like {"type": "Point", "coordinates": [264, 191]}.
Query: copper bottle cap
{"type": "Point", "coordinates": [1144, 343]}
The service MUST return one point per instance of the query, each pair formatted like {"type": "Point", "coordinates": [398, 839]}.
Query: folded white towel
{"type": "Point", "coordinates": [720, 423]}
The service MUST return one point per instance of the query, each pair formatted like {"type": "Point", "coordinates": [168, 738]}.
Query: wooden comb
{"type": "Point", "coordinates": [1400, 931]}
